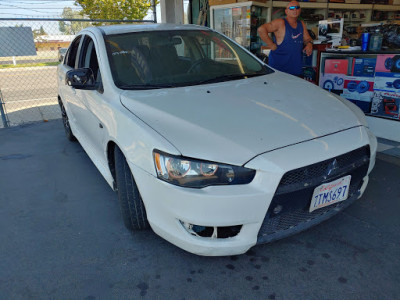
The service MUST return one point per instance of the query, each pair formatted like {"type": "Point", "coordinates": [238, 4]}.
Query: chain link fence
{"type": "Point", "coordinates": [30, 50]}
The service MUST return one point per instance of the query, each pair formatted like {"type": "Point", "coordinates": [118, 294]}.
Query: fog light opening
{"type": "Point", "coordinates": [213, 232]}
{"type": "Point", "coordinates": [277, 209]}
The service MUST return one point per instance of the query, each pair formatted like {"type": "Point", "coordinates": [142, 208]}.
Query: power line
{"type": "Point", "coordinates": [76, 8]}
{"type": "Point", "coordinates": [38, 1]}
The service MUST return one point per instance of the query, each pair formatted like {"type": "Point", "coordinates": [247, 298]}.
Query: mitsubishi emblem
{"type": "Point", "coordinates": [333, 166]}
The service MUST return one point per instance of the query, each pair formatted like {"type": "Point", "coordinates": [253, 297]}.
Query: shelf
{"type": "Point", "coordinates": [281, 3]}
{"type": "Point", "coordinates": [386, 7]}
{"type": "Point", "coordinates": [344, 6]}
{"type": "Point", "coordinates": [349, 6]}
{"type": "Point", "coordinates": [313, 5]}
{"type": "Point", "coordinates": [355, 20]}
{"type": "Point", "coordinates": [302, 4]}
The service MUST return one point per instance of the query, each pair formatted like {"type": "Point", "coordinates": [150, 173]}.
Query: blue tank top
{"type": "Point", "coordinates": [288, 56]}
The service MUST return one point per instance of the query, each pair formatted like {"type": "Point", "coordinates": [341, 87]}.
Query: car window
{"type": "Point", "coordinates": [71, 55]}
{"type": "Point", "coordinates": [155, 59]}
{"type": "Point", "coordinates": [88, 57]}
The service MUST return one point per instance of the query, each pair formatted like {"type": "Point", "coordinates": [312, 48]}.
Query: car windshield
{"type": "Point", "coordinates": [163, 59]}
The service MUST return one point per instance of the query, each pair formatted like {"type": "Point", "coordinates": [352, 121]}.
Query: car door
{"type": "Point", "coordinates": [92, 104]}
{"type": "Point", "coordinates": [66, 92]}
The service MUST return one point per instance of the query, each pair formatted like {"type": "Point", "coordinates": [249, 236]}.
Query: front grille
{"type": "Point", "coordinates": [308, 174]}
{"type": "Point", "coordinates": [294, 193]}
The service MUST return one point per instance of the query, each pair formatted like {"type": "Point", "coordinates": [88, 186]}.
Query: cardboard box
{"type": "Point", "coordinates": [388, 63]}
{"type": "Point", "coordinates": [359, 90]}
{"type": "Point", "coordinates": [364, 67]}
{"type": "Point", "coordinates": [387, 82]}
{"type": "Point", "coordinates": [332, 81]}
{"type": "Point", "coordinates": [386, 104]}
{"type": "Point", "coordinates": [336, 66]}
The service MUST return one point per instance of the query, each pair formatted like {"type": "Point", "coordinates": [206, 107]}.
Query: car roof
{"type": "Point", "coordinates": [118, 29]}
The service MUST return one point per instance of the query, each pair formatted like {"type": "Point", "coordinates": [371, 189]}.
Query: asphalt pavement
{"type": "Point", "coordinates": [62, 237]}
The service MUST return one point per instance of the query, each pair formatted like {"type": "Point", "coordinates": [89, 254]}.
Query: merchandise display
{"type": "Point", "coordinates": [385, 104]}
{"type": "Point", "coordinates": [364, 67]}
{"type": "Point", "coordinates": [332, 81]}
{"type": "Point", "coordinates": [359, 90]}
{"type": "Point", "coordinates": [387, 82]}
{"type": "Point", "coordinates": [372, 83]}
{"type": "Point", "coordinates": [388, 63]}
{"type": "Point", "coordinates": [336, 66]}
{"type": "Point", "coordinates": [240, 21]}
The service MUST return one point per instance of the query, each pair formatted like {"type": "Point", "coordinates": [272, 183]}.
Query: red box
{"type": "Point", "coordinates": [336, 66]}
{"type": "Point", "coordinates": [388, 63]}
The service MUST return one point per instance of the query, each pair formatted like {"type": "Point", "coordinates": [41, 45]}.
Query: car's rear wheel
{"type": "Point", "coordinates": [65, 120]}
{"type": "Point", "coordinates": [132, 206]}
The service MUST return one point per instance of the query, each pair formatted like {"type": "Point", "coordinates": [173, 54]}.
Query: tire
{"type": "Point", "coordinates": [65, 120]}
{"type": "Point", "coordinates": [132, 207]}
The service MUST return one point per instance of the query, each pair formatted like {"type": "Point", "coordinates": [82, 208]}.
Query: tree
{"type": "Point", "coordinates": [39, 32]}
{"type": "Point", "coordinates": [115, 10]}
{"type": "Point", "coordinates": [71, 27]}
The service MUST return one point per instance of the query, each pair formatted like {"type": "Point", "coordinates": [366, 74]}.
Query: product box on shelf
{"type": "Point", "coordinates": [336, 66]}
{"type": "Point", "coordinates": [364, 67]}
{"type": "Point", "coordinates": [310, 74]}
{"type": "Point", "coordinates": [387, 82]}
{"type": "Point", "coordinates": [386, 104]}
{"type": "Point", "coordinates": [388, 63]}
{"type": "Point", "coordinates": [332, 81]}
{"type": "Point", "coordinates": [359, 90]}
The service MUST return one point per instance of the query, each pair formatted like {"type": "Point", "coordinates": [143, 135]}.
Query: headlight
{"type": "Point", "coordinates": [188, 172]}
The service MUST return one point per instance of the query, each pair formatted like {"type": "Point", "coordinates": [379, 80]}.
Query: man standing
{"type": "Point", "coordinates": [291, 39]}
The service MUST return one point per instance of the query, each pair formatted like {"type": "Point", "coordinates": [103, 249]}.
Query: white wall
{"type": "Point", "coordinates": [171, 11]}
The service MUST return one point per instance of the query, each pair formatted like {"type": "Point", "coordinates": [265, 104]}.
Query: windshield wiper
{"type": "Point", "coordinates": [145, 86]}
{"type": "Point", "coordinates": [229, 77]}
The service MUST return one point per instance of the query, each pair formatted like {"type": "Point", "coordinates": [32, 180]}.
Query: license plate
{"type": "Point", "coordinates": [330, 193]}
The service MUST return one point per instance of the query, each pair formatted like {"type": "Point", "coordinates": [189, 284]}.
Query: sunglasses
{"type": "Point", "coordinates": [294, 7]}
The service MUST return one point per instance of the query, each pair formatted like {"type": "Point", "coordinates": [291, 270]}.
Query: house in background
{"type": "Point", "coordinates": [52, 42]}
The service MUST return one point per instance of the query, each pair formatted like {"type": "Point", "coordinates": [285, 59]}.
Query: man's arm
{"type": "Point", "coordinates": [272, 27]}
{"type": "Point", "coordinates": [307, 40]}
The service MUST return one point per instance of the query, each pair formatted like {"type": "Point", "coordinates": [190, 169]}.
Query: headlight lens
{"type": "Point", "coordinates": [197, 173]}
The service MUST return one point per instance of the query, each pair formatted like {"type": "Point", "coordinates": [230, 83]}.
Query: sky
{"type": "Point", "coordinates": [34, 8]}
{"type": "Point", "coordinates": [41, 9]}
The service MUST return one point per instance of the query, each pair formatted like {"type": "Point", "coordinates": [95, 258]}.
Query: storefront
{"type": "Point", "coordinates": [369, 78]}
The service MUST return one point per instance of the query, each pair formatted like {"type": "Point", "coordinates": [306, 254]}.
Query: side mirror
{"type": "Point", "coordinates": [82, 79]}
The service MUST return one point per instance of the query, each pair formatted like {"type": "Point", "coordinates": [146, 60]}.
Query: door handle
{"type": "Point", "coordinates": [100, 125]}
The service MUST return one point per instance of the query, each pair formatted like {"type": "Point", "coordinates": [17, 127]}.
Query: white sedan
{"type": "Point", "coordinates": [213, 149]}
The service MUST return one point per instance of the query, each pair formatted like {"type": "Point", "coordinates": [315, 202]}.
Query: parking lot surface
{"type": "Point", "coordinates": [62, 237]}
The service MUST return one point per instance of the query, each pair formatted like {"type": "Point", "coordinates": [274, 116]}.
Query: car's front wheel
{"type": "Point", "coordinates": [131, 203]}
{"type": "Point", "coordinates": [67, 128]}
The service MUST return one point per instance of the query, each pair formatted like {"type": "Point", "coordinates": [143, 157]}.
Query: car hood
{"type": "Point", "coordinates": [232, 122]}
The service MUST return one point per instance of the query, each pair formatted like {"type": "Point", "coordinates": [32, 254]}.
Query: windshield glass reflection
{"type": "Point", "coordinates": [165, 59]}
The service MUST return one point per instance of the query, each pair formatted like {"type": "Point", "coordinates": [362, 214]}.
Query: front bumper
{"type": "Point", "coordinates": [169, 206]}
